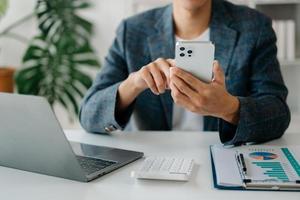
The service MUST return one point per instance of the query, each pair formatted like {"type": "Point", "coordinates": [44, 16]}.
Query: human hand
{"type": "Point", "coordinates": [155, 76]}
{"type": "Point", "coordinates": [210, 99]}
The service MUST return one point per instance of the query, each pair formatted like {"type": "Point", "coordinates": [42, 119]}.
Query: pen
{"type": "Point", "coordinates": [243, 163]}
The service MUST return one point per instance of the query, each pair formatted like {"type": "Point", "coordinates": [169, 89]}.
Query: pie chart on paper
{"type": "Point", "coordinates": [263, 155]}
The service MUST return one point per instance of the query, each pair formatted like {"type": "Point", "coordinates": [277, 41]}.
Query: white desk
{"type": "Point", "coordinates": [118, 185]}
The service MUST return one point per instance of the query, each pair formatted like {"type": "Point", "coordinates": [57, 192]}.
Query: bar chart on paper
{"type": "Point", "coordinates": [273, 170]}
{"type": "Point", "coordinates": [295, 164]}
{"type": "Point", "coordinates": [268, 164]}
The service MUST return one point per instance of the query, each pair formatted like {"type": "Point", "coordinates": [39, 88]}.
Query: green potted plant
{"type": "Point", "coordinates": [6, 73]}
{"type": "Point", "coordinates": [55, 62]}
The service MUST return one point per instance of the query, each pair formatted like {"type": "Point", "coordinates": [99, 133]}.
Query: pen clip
{"type": "Point", "coordinates": [243, 163]}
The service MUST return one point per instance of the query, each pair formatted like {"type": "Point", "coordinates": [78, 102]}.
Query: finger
{"type": "Point", "coordinates": [146, 75]}
{"type": "Point", "coordinates": [171, 62]}
{"type": "Point", "coordinates": [178, 97]}
{"type": "Point", "coordinates": [219, 75]}
{"type": "Point", "coordinates": [165, 68]}
{"type": "Point", "coordinates": [158, 78]}
{"type": "Point", "coordinates": [184, 88]}
{"type": "Point", "coordinates": [181, 99]}
{"type": "Point", "coordinates": [192, 81]}
{"type": "Point", "coordinates": [194, 96]}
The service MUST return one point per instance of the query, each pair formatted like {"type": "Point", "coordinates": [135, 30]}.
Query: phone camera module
{"type": "Point", "coordinates": [182, 48]}
{"type": "Point", "coordinates": [182, 54]}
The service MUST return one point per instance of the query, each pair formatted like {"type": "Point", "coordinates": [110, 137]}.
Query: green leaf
{"type": "Point", "coordinates": [29, 87]}
{"type": "Point", "coordinates": [54, 73]}
{"type": "Point", "coordinates": [56, 58]}
{"type": "Point", "coordinates": [59, 19]}
{"type": "Point", "coordinates": [73, 101]}
{"type": "Point", "coordinates": [82, 78]}
{"type": "Point", "coordinates": [3, 7]}
{"type": "Point", "coordinates": [82, 5]}
{"type": "Point", "coordinates": [90, 62]}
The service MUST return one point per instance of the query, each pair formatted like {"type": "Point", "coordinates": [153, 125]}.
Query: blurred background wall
{"type": "Point", "coordinates": [107, 14]}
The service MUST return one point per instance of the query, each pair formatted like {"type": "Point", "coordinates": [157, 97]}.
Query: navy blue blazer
{"type": "Point", "coordinates": [246, 49]}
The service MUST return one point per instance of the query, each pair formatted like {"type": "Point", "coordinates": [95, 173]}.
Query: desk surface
{"type": "Point", "coordinates": [16, 184]}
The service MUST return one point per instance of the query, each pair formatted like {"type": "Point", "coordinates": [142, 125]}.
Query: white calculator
{"type": "Point", "coordinates": [166, 168]}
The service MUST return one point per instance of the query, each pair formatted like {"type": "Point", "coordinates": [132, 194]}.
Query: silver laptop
{"type": "Point", "coordinates": [31, 139]}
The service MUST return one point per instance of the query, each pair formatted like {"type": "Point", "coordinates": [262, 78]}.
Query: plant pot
{"type": "Point", "coordinates": [7, 79]}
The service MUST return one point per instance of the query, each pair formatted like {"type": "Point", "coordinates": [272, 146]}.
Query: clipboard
{"type": "Point", "coordinates": [215, 183]}
{"type": "Point", "coordinates": [241, 185]}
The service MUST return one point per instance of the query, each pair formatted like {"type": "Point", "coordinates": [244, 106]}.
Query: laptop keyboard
{"type": "Point", "coordinates": [91, 165]}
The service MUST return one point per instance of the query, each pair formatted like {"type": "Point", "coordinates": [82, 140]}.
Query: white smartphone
{"type": "Point", "coordinates": [196, 57]}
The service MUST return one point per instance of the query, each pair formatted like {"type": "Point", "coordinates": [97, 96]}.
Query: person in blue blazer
{"type": "Point", "coordinates": [245, 101]}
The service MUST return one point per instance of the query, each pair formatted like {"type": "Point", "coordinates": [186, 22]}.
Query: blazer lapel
{"type": "Point", "coordinates": [221, 34]}
{"type": "Point", "coordinates": [162, 45]}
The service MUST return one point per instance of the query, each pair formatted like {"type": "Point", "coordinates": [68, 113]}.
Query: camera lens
{"type": "Point", "coordinates": [190, 51]}
{"type": "Point", "coordinates": [182, 54]}
{"type": "Point", "coordinates": [182, 48]}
